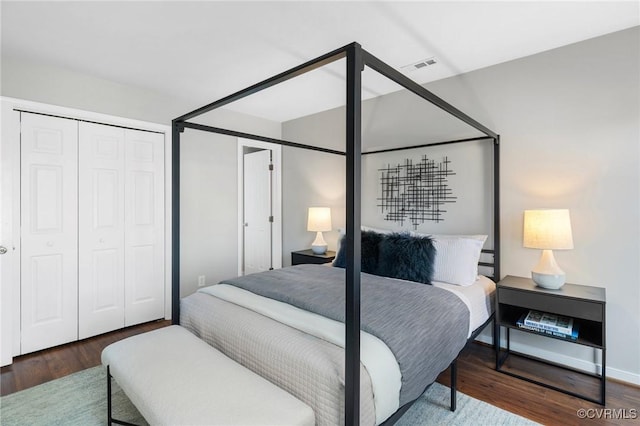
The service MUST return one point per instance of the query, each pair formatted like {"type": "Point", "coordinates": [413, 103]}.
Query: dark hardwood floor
{"type": "Point", "coordinates": [42, 366]}
{"type": "Point", "coordinates": [476, 378]}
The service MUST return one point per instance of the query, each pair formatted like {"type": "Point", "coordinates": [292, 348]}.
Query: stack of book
{"type": "Point", "coordinates": [553, 325]}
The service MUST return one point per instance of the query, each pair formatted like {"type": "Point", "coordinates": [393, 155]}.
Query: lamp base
{"type": "Point", "coordinates": [319, 245]}
{"type": "Point", "coordinates": [547, 274]}
{"type": "Point", "coordinates": [550, 282]}
{"type": "Point", "coordinates": [319, 249]}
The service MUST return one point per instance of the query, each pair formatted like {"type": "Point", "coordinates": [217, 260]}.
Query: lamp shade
{"type": "Point", "coordinates": [319, 219]}
{"type": "Point", "coordinates": [547, 229]}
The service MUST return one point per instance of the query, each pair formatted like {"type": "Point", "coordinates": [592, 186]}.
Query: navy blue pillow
{"type": "Point", "coordinates": [406, 257]}
{"type": "Point", "coordinates": [370, 242]}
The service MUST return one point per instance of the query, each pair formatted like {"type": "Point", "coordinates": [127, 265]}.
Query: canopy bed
{"type": "Point", "coordinates": [232, 298]}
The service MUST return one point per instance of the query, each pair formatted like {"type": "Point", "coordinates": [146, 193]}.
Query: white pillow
{"type": "Point", "coordinates": [478, 237]}
{"type": "Point", "coordinates": [343, 231]}
{"type": "Point", "coordinates": [457, 258]}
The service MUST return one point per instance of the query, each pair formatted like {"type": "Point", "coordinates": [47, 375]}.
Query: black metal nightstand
{"type": "Point", "coordinates": [307, 256]}
{"type": "Point", "coordinates": [585, 304]}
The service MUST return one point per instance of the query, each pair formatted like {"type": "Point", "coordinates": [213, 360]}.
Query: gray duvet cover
{"type": "Point", "coordinates": [424, 326]}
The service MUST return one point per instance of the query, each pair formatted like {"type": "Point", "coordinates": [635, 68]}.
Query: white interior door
{"type": "Point", "coordinates": [49, 228]}
{"type": "Point", "coordinates": [257, 211]}
{"type": "Point", "coordinates": [9, 279]}
{"type": "Point", "coordinates": [144, 226]}
{"type": "Point", "coordinates": [100, 229]}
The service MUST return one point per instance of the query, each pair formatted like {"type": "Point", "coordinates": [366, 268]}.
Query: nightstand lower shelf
{"type": "Point", "coordinates": [516, 364]}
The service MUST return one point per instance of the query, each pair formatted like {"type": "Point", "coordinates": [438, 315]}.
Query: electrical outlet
{"type": "Point", "coordinates": [201, 281]}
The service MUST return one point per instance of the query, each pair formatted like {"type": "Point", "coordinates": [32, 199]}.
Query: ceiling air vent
{"type": "Point", "coordinates": [420, 64]}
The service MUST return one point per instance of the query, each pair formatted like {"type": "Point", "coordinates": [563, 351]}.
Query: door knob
{"type": "Point", "coordinates": [3, 250]}
{"type": "Point", "coordinates": [246, 224]}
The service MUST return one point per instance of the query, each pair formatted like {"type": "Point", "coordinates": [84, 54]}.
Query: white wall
{"type": "Point", "coordinates": [569, 121]}
{"type": "Point", "coordinates": [57, 86]}
{"type": "Point", "coordinates": [310, 179]}
{"type": "Point", "coordinates": [471, 181]}
{"type": "Point", "coordinates": [208, 222]}
{"type": "Point", "coordinates": [209, 204]}
{"type": "Point", "coordinates": [570, 128]}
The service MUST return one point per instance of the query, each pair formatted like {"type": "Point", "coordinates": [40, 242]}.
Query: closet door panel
{"type": "Point", "coordinates": [101, 229]}
{"type": "Point", "coordinates": [49, 229]}
{"type": "Point", "coordinates": [144, 227]}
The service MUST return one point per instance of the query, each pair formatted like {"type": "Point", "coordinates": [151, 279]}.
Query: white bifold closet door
{"type": "Point", "coordinates": [92, 229]}
{"type": "Point", "coordinates": [144, 226]}
{"type": "Point", "coordinates": [121, 274]}
{"type": "Point", "coordinates": [101, 229]}
{"type": "Point", "coordinates": [49, 227]}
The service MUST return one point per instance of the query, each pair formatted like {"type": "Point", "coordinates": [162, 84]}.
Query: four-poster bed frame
{"type": "Point", "coordinates": [356, 59]}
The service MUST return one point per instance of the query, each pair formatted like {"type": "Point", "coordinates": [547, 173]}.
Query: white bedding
{"type": "Point", "coordinates": [307, 367]}
{"type": "Point", "coordinates": [479, 298]}
{"type": "Point", "coordinates": [376, 356]}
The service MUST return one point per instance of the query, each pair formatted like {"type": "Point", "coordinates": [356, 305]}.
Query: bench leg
{"type": "Point", "coordinates": [110, 419]}
{"type": "Point", "coordinates": [454, 375]}
{"type": "Point", "coordinates": [108, 396]}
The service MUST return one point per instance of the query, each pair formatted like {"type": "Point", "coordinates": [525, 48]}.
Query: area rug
{"type": "Point", "coordinates": [432, 408]}
{"type": "Point", "coordinates": [81, 399]}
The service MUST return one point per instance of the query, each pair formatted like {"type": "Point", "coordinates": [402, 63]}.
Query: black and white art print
{"type": "Point", "coordinates": [415, 192]}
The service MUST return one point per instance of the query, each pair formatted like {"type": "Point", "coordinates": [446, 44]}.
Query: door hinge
{"type": "Point", "coordinates": [271, 219]}
{"type": "Point", "coordinates": [270, 167]}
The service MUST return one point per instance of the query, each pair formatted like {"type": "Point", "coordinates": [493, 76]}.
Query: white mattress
{"type": "Point", "coordinates": [479, 298]}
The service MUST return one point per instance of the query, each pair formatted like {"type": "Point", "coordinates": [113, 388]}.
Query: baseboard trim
{"type": "Point", "coordinates": [623, 376]}
{"type": "Point", "coordinates": [612, 373]}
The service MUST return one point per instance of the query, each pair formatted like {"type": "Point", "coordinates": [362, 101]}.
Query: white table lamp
{"type": "Point", "coordinates": [319, 220]}
{"type": "Point", "coordinates": [547, 230]}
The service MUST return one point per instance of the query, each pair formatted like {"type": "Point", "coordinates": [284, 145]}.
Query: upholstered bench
{"type": "Point", "coordinates": [174, 378]}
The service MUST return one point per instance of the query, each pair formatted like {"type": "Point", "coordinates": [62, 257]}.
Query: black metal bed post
{"type": "Point", "coordinates": [496, 208]}
{"type": "Point", "coordinates": [496, 237]}
{"type": "Point", "coordinates": [356, 59]}
{"type": "Point", "coordinates": [108, 396]}
{"type": "Point", "coordinates": [454, 385]}
{"type": "Point", "coordinates": [176, 129]}
{"type": "Point", "coordinates": [352, 280]}
{"type": "Point", "coordinates": [178, 126]}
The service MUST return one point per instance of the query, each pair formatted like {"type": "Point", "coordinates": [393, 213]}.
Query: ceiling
{"type": "Point", "coordinates": [202, 51]}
